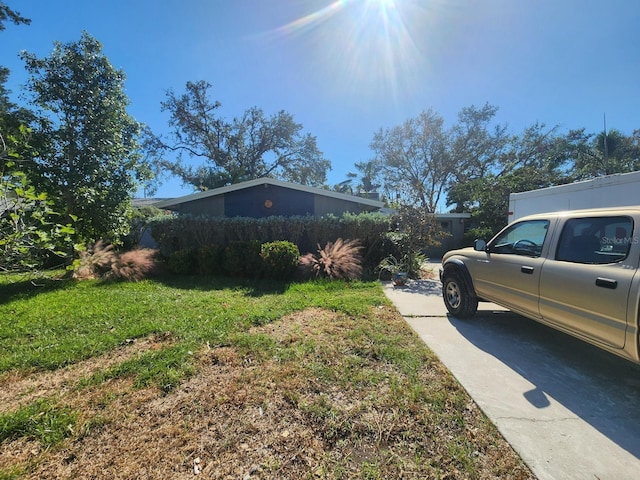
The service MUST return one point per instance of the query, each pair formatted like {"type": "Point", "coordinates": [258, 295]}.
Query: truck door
{"type": "Point", "coordinates": [584, 287]}
{"type": "Point", "coordinates": [509, 272]}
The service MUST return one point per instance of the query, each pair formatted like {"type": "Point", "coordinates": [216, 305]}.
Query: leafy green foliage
{"type": "Point", "coordinates": [249, 147]}
{"type": "Point", "coordinates": [415, 230]}
{"type": "Point", "coordinates": [138, 223]}
{"type": "Point", "coordinates": [30, 231]}
{"type": "Point", "coordinates": [7, 14]}
{"type": "Point", "coordinates": [183, 262]}
{"type": "Point", "coordinates": [280, 259]}
{"type": "Point", "coordinates": [242, 259]}
{"type": "Point", "coordinates": [415, 160]}
{"type": "Point", "coordinates": [210, 259]}
{"type": "Point", "coordinates": [88, 160]}
{"type": "Point", "coordinates": [184, 232]}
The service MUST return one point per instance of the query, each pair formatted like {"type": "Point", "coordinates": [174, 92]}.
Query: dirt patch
{"type": "Point", "coordinates": [320, 404]}
{"type": "Point", "coordinates": [20, 388]}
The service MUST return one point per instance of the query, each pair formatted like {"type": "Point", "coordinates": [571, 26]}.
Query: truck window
{"type": "Point", "coordinates": [523, 238]}
{"type": "Point", "coordinates": [595, 240]}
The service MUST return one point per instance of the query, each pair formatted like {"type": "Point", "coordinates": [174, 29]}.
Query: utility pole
{"type": "Point", "coordinates": [606, 148]}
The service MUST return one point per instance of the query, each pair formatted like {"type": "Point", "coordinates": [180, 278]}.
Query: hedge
{"type": "Point", "coordinates": [179, 233]}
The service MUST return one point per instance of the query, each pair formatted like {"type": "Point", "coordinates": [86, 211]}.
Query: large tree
{"type": "Point", "coordinates": [30, 232]}
{"type": "Point", "coordinates": [88, 156]}
{"type": "Point", "coordinates": [11, 116]}
{"type": "Point", "coordinates": [246, 148]}
{"type": "Point", "coordinates": [603, 154]}
{"type": "Point", "coordinates": [415, 160]}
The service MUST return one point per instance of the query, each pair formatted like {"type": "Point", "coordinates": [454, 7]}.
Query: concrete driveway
{"type": "Point", "coordinates": [570, 410]}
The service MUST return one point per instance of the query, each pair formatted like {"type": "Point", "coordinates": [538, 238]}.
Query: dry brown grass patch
{"type": "Point", "coordinates": [20, 388]}
{"type": "Point", "coordinates": [296, 413]}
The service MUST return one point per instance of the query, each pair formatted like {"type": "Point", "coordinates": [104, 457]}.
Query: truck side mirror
{"type": "Point", "coordinates": [480, 246]}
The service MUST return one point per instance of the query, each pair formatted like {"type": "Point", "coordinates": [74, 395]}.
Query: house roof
{"type": "Point", "coordinates": [267, 181]}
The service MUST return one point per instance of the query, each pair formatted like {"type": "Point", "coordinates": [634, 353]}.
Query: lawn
{"type": "Point", "coordinates": [183, 376]}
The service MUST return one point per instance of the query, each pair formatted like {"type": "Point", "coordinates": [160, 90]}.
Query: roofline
{"type": "Point", "coordinates": [628, 209]}
{"type": "Point", "coordinates": [592, 183]}
{"type": "Point", "coordinates": [267, 181]}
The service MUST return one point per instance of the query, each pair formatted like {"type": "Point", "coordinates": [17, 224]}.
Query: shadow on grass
{"type": "Point", "coordinates": [23, 287]}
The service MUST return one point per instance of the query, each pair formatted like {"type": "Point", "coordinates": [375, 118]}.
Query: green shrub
{"type": "Point", "coordinates": [181, 232]}
{"type": "Point", "coordinates": [242, 259]}
{"type": "Point", "coordinates": [210, 259]}
{"type": "Point", "coordinates": [183, 262]}
{"type": "Point", "coordinates": [280, 259]}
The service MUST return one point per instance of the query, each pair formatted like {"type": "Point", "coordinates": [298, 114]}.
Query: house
{"type": "Point", "coordinates": [265, 197]}
{"type": "Point", "coordinates": [453, 227]}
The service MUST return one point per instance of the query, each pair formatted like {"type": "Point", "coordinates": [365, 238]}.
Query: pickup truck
{"type": "Point", "coordinates": [575, 271]}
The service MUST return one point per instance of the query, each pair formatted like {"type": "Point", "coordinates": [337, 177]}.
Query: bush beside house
{"type": "Point", "coordinates": [202, 237]}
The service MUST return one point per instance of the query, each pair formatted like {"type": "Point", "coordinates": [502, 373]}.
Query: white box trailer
{"type": "Point", "coordinates": [622, 189]}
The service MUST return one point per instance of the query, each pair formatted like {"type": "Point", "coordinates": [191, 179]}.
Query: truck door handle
{"type": "Point", "coordinates": [526, 269]}
{"type": "Point", "coordinates": [606, 283]}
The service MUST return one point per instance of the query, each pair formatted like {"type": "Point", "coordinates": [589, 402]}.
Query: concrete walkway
{"type": "Point", "coordinates": [570, 410]}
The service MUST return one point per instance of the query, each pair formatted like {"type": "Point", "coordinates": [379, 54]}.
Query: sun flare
{"type": "Point", "coordinates": [364, 45]}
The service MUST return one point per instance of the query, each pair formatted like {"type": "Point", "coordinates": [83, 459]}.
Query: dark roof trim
{"type": "Point", "coordinates": [268, 181]}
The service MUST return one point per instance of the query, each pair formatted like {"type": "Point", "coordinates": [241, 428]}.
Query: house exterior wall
{"type": "Point", "coordinates": [454, 227]}
{"type": "Point", "coordinates": [267, 200]}
{"type": "Point", "coordinates": [336, 206]}
{"type": "Point", "coordinates": [211, 206]}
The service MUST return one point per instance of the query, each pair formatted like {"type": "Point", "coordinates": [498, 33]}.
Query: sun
{"type": "Point", "coordinates": [362, 45]}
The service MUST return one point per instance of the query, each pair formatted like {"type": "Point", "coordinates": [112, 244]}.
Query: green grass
{"type": "Point", "coordinates": [366, 396]}
{"type": "Point", "coordinates": [62, 322]}
{"type": "Point", "coordinates": [41, 420]}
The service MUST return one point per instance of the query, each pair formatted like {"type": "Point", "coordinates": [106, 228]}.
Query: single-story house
{"type": "Point", "coordinates": [265, 197]}
{"type": "Point", "coordinates": [454, 226]}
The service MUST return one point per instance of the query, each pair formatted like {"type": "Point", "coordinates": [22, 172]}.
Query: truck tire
{"type": "Point", "coordinates": [459, 300]}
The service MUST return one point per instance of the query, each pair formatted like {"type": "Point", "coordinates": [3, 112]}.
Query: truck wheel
{"type": "Point", "coordinates": [460, 302]}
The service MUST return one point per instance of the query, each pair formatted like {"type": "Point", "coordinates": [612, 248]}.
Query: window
{"type": "Point", "coordinates": [524, 238]}
{"type": "Point", "coordinates": [595, 240]}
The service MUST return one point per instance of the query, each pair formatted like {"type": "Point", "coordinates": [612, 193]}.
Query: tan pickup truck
{"type": "Point", "coordinates": [574, 271]}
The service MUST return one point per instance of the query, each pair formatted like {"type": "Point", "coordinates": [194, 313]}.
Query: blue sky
{"type": "Point", "coordinates": [346, 68]}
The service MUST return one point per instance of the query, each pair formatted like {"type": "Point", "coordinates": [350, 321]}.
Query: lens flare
{"type": "Point", "coordinates": [364, 46]}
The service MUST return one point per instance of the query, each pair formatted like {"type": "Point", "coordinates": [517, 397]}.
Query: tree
{"type": "Point", "coordinates": [88, 157]}
{"type": "Point", "coordinates": [603, 154]}
{"type": "Point", "coordinates": [415, 160]}
{"type": "Point", "coordinates": [30, 229]}
{"type": "Point", "coordinates": [536, 158]}
{"type": "Point", "coordinates": [367, 175]}
{"type": "Point", "coordinates": [11, 116]}
{"type": "Point", "coordinates": [249, 147]}
{"type": "Point", "coordinates": [30, 233]}
{"type": "Point", "coordinates": [6, 14]}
